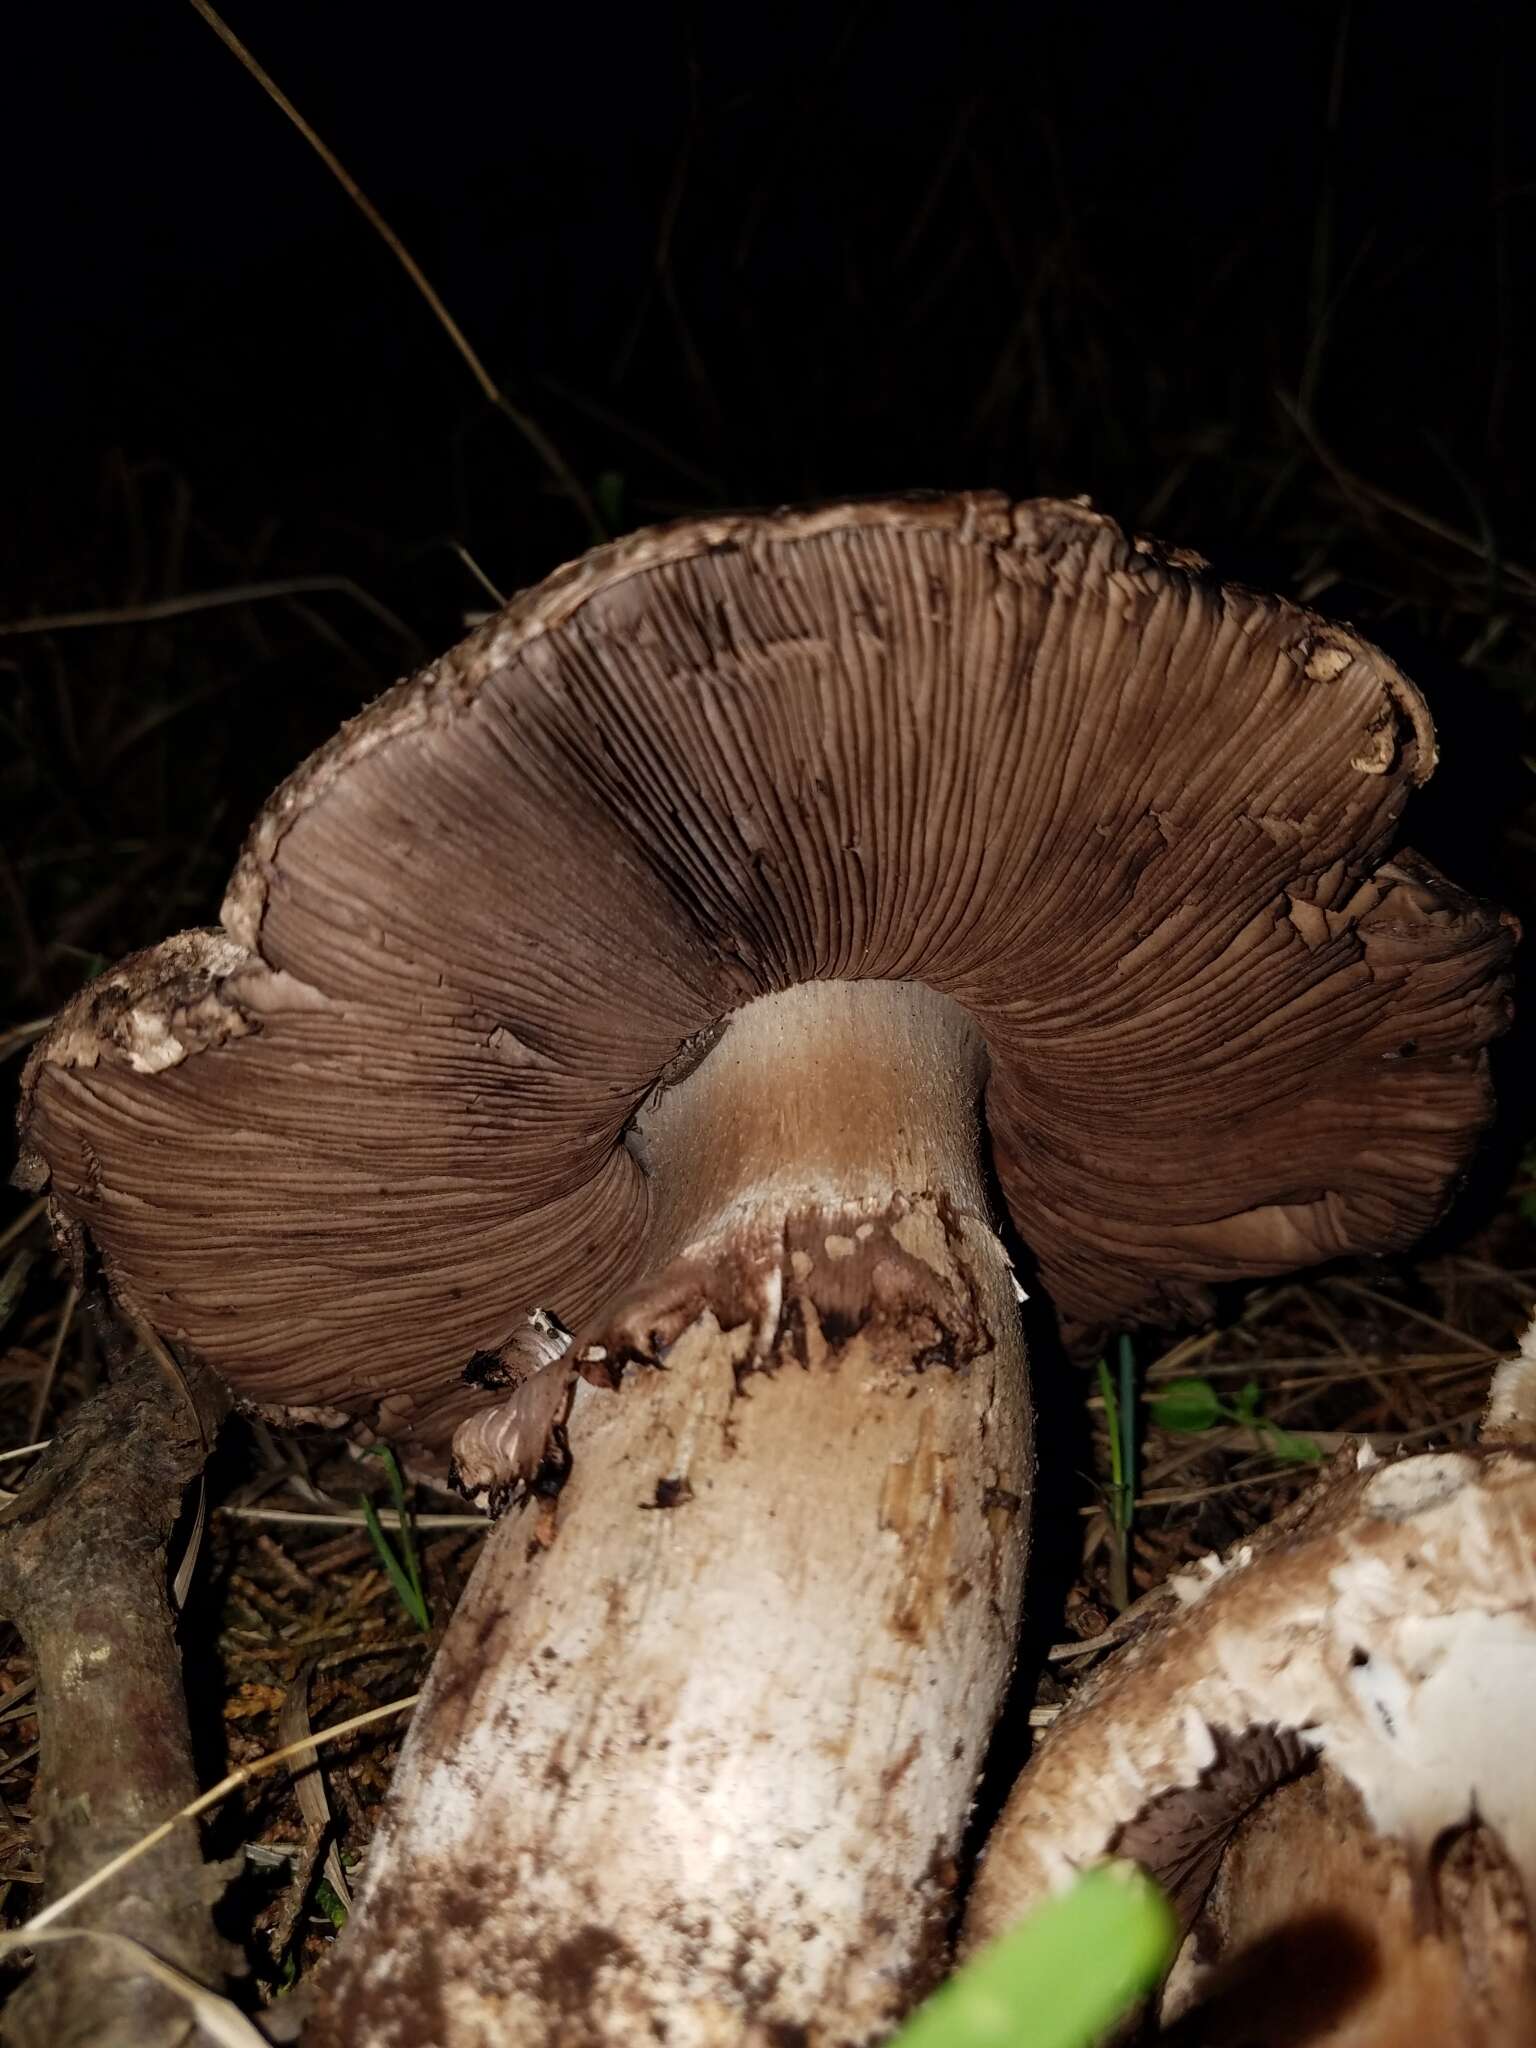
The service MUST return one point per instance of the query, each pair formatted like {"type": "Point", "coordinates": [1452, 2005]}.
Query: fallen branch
{"type": "Point", "coordinates": [83, 1573]}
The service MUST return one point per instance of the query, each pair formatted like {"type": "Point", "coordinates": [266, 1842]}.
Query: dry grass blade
{"type": "Point", "coordinates": [221, 2022]}
{"type": "Point", "coordinates": [22, 1223]}
{"type": "Point", "coordinates": [181, 1586]}
{"type": "Point", "coordinates": [197, 601]}
{"type": "Point", "coordinates": [13, 1040]}
{"type": "Point", "coordinates": [12, 1281]}
{"type": "Point", "coordinates": [527, 426]}
{"type": "Point", "coordinates": [165, 1359]}
{"type": "Point", "coordinates": [342, 1518]}
{"type": "Point", "coordinates": [1401, 508]}
{"type": "Point", "coordinates": [497, 597]}
{"type": "Point", "coordinates": [1403, 1308]}
{"type": "Point", "coordinates": [67, 1902]}
{"type": "Point", "coordinates": [293, 1727]}
{"type": "Point", "coordinates": [55, 1350]}
{"type": "Point", "coordinates": [14, 1702]}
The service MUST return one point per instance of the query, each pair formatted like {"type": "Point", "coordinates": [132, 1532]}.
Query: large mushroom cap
{"type": "Point", "coordinates": [1136, 822]}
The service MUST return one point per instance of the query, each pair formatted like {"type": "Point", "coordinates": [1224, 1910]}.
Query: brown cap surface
{"type": "Point", "coordinates": [1134, 821]}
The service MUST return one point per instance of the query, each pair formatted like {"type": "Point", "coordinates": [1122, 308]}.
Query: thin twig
{"type": "Point", "coordinates": [527, 426]}
{"type": "Point", "coordinates": [243, 1776]}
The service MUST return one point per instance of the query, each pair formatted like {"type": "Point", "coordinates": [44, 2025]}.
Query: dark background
{"type": "Point", "coordinates": [1259, 279]}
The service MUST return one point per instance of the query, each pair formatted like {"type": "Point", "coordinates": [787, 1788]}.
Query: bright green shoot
{"type": "Point", "coordinates": [1064, 1977]}
{"type": "Point", "coordinates": [1190, 1406]}
{"type": "Point", "coordinates": [404, 1569]}
{"type": "Point", "coordinates": [1120, 1414]}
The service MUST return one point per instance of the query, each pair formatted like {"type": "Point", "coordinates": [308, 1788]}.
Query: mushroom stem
{"type": "Point", "coordinates": [698, 1750]}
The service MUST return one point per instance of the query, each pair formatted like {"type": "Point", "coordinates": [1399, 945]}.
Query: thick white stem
{"type": "Point", "coordinates": [697, 1755]}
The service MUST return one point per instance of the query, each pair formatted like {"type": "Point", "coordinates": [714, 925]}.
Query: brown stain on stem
{"type": "Point", "coordinates": [918, 1506]}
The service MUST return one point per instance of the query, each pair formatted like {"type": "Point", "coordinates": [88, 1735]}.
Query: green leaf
{"type": "Point", "coordinates": [1187, 1406]}
{"type": "Point", "coordinates": [1295, 1450]}
{"type": "Point", "coordinates": [1062, 1978]}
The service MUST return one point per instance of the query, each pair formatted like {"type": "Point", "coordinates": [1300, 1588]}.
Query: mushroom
{"type": "Point", "coordinates": [1321, 1746]}
{"type": "Point", "coordinates": [703, 955]}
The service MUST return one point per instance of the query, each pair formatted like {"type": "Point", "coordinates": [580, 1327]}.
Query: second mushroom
{"type": "Point", "coordinates": [725, 950]}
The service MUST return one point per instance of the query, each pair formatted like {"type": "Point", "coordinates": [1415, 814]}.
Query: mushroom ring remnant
{"type": "Point", "coordinates": [693, 952]}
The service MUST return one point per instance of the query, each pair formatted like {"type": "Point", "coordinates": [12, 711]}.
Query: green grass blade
{"type": "Point", "coordinates": [1061, 1979]}
{"type": "Point", "coordinates": [1116, 1457]}
{"type": "Point", "coordinates": [409, 1595]}
{"type": "Point", "coordinates": [1128, 1424]}
{"type": "Point", "coordinates": [1121, 1499]}
{"type": "Point", "coordinates": [407, 1526]}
